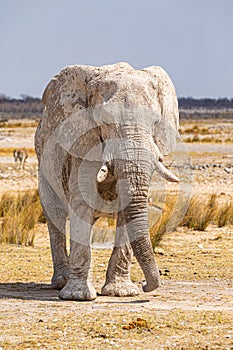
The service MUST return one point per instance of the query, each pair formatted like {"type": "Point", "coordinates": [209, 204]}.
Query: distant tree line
{"type": "Point", "coordinates": [28, 105]}
{"type": "Point", "coordinates": [207, 103]}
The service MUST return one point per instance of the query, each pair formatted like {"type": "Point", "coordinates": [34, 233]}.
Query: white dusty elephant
{"type": "Point", "coordinates": [103, 133]}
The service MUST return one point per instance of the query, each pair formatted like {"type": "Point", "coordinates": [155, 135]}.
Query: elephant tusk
{"type": "Point", "coordinates": [103, 173]}
{"type": "Point", "coordinates": [164, 172]}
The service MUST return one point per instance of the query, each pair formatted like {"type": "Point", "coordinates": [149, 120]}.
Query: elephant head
{"type": "Point", "coordinates": [136, 134]}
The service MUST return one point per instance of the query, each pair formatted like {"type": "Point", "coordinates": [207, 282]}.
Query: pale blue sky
{"type": "Point", "coordinates": [191, 39]}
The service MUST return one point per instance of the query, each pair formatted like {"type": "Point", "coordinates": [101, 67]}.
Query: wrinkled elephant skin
{"type": "Point", "coordinates": [103, 133]}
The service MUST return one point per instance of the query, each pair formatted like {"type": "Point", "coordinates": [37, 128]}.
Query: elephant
{"type": "Point", "coordinates": [104, 132]}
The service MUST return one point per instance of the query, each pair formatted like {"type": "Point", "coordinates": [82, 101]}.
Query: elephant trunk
{"type": "Point", "coordinates": [144, 254]}
{"type": "Point", "coordinates": [133, 163]}
{"type": "Point", "coordinates": [135, 217]}
{"type": "Point", "coordinates": [137, 228]}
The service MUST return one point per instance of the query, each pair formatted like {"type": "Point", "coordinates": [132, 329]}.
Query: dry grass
{"type": "Point", "coordinates": [207, 139]}
{"type": "Point", "coordinates": [207, 131]}
{"type": "Point", "coordinates": [19, 212]}
{"type": "Point", "coordinates": [225, 214]}
{"type": "Point", "coordinates": [175, 329]}
{"type": "Point", "coordinates": [201, 212]}
{"type": "Point", "coordinates": [196, 129]}
{"type": "Point", "coordinates": [174, 207]}
{"type": "Point", "coordinates": [32, 316]}
{"type": "Point", "coordinates": [18, 124]}
{"type": "Point", "coordinates": [167, 221]}
{"type": "Point", "coordinates": [8, 151]}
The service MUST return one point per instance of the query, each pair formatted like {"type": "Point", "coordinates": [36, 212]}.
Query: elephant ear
{"type": "Point", "coordinates": [66, 115]}
{"type": "Point", "coordinates": [66, 91]}
{"type": "Point", "coordinates": [167, 125]}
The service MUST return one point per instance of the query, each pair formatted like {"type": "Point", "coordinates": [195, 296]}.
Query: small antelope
{"type": "Point", "coordinates": [20, 155]}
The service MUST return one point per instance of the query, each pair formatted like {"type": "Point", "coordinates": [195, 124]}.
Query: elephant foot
{"type": "Point", "coordinates": [78, 290]}
{"type": "Point", "coordinates": [120, 289]}
{"type": "Point", "coordinates": [60, 279]}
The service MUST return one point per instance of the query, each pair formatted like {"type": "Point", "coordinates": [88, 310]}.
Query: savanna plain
{"type": "Point", "coordinates": [191, 227]}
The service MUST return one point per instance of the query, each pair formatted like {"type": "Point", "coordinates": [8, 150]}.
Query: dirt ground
{"type": "Point", "coordinates": [193, 308]}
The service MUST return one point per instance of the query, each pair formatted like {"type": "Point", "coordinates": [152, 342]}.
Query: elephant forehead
{"type": "Point", "coordinates": [137, 88]}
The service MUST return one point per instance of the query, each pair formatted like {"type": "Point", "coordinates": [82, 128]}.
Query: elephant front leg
{"type": "Point", "coordinates": [55, 214]}
{"type": "Point", "coordinates": [118, 282]}
{"type": "Point", "coordinates": [79, 285]}
{"type": "Point", "coordinates": [59, 255]}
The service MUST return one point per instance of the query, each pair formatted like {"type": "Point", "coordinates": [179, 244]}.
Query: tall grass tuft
{"type": "Point", "coordinates": [19, 213]}
{"type": "Point", "coordinates": [167, 221]}
{"type": "Point", "coordinates": [158, 230]}
{"type": "Point", "coordinates": [200, 213]}
{"type": "Point", "coordinates": [225, 214]}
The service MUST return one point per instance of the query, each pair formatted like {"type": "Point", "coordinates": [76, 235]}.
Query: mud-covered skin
{"type": "Point", "coordinates": [129, 117]}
